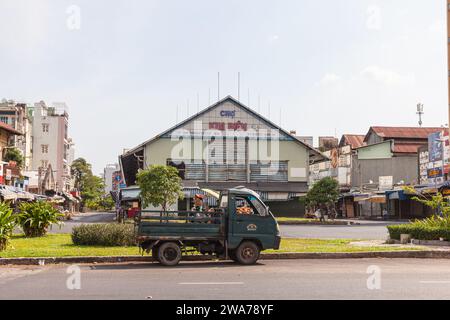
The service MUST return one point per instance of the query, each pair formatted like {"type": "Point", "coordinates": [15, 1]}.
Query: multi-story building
{"type": "Point", "coordinates": [17, 116]}
{"type": "Point", "coordinates": [52, 147]}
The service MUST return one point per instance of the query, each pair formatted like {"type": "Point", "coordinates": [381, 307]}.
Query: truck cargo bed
{"type": "Point", "coordinates": [179, 226]}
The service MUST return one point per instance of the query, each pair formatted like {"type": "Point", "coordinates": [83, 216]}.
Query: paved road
{"type": "Point", "coordinates": [371, 230]}
{"type": "Point", "coordinates": [283, 279]}
{"type": "Point", "coordinates": [94, 217]}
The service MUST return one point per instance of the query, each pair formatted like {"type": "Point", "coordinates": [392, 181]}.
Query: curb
{"type": "Point", "coordinates": [270, 256]}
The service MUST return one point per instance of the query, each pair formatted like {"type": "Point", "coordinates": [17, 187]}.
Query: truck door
{"type": "Point", "coordinates": [252, 220]}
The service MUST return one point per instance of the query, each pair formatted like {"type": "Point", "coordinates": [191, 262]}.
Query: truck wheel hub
{"type": "Point", "coordinates": [247, 253]}
{"type": "Point", "coordinates": [170, 254]}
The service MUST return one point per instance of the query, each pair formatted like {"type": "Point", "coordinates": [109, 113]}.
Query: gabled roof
{"type": "Point", "coordinates": [352, 140]}
{"type": "Point", "coordinates": [402, 132]}
{"type": "Point", "coordinates": [314, 152]}
{"type": "Point", "coordinates": [10, 129]}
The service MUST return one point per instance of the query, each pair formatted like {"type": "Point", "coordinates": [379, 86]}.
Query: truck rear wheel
{"type": "Point", "coordinates": [247, 253]}
{"type": "Point", "coordinates": [169, 254]}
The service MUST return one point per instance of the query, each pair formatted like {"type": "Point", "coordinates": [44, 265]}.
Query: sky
{"type": "Point", "coordinates": [320, 67]}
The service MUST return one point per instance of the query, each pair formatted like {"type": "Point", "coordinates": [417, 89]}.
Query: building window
{"type": "Point", "coordinates": [44, 148]}
{"type": "Point", "coordinates": [44, 163]}
{"type": "Point", "coordinates": [4, 120]}
{"type": "Point", "coordinates": [45, 127]}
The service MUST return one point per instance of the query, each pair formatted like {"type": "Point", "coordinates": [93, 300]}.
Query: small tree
{"type": "Point", "coordinates": [14, 154]}
{"type": "Point", "coordinates": [437, 202]}
{"type": "Point", "coordinates": [324, 193]}
{"type": "Point", "coordinates": [160, 186]}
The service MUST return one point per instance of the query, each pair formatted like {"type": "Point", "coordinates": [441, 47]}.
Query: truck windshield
{"type": "Point", "coordinates": [259, 206]}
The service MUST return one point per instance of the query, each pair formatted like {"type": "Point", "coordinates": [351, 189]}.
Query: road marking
{"type": "Point", "coordinates": [435, 282]}
{"type": "Point", "coordinates": [211, 283]}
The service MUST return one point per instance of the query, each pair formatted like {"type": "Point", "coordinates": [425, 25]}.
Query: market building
{"type": "Point", "coordinates": [228, 145]}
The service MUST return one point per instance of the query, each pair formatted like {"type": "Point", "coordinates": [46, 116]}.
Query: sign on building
{"type": "Point", "coordinates": [385, 182]}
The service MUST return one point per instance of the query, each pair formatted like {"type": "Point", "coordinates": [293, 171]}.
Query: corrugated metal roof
{"type": "Point", "coordinates": [406, 148]}
{"type": "Point", "coordinates": [353, 140]}
{"type": "Point", "coordinates": [9, 128]}
{"type": "Point", "coordinates": [403, 132]}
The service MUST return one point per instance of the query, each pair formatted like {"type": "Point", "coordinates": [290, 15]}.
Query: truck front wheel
{"type": "Point", "coordinates": [247, 253]}
{"type": "Point", "coordinates": [169, 254]}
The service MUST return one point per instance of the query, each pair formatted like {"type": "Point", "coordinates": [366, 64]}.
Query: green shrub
{"type": "Point", "coordinates": [7, 223]}
{"type": "Point", "coordinates": [104, 234]}
{"type": "Point", "coordinates": [36, 217]}
{"type": "Point", "coordinates": [419, 231]}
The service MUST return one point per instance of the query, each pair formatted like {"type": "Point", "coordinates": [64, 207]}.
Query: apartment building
{"type": "Point", "coordinates": [17, 116]}
{"type": "Point", "coordinates": [52, 147]}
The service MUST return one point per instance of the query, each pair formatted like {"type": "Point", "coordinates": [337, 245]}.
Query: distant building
{"type": "Point", "coordinates": [17, 115]}
{"type": "Point", "coordinates": [328, 143]}
{"type": "Point", "coordinates": [9, 172]}
{"type": "Point", "coordinates": [109, 176]}
{"type": "Point", "coordinates": [306, 139]}
{"type": "Point", "coordinates": [340, 161]}
{"type": "Point", "coordinates": [352, 140]}
{"type": "Point", "coordinates": [51, 143]}
{"type": "Point", "coordinates": [390, 152]}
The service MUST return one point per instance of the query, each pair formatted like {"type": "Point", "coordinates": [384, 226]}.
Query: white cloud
{"type": "Point", "coordinates": [329, 79]}
{"type": "Point", "coordinates": [273, 38]}
{"type": "Point", "coordinates": [387, 77]}
{"type": "Point", "coordinates": [374, 18]}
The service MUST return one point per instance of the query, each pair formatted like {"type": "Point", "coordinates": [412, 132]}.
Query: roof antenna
{"type": "Point", "coordinates": [239, 86]}
{"type": "Point", "coordinates": [187, 107]}
{"type": "Point", "coordinates": [420, 113]}
{"type": "Point", "coordinates": [198, 102]}
{"type": "Point", "coordinates": [218, 86]}
{"type": "Point", "coordinates": [177, 115]}
{"type": "Point", "coordinates": [259, 103]}
{"type": "Point", "coordinates": [280, 116]}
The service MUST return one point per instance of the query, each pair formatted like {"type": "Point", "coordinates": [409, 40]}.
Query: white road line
{"type": "Point", "coordinates": [211, 283]}
{"type": "Point", "coordinates": [435, 282]}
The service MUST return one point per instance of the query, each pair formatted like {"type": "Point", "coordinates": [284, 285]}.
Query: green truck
{"type": "Point", "coordinates": [238, 229]}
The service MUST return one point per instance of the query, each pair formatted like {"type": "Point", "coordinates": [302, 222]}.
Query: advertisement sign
{"type": "Point", "coordinates": [434, 173]}
{"type": "Point", "coordinates": [386, 183]}
{"type": "Point", "coordinates": [117, 181]}
{"type": "Point", "coordinates": [438, 156]}
{"type": "Point", "coordinates": [435, 147]}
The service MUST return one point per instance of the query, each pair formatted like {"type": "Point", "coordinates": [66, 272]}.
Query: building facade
{"type": "Point", "coordinates": [17, 115]}
{"type": "Point", "coordinates": [52, 147]}
{"type": "Point", "coordinates": [229, 145]}
{"type": "Point", "coordinates": [340, 163]}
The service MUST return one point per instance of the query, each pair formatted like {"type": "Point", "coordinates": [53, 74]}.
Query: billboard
{"type": "Point", "coordinates": [435, 147]}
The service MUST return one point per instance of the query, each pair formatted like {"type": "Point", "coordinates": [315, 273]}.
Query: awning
{"type": "Point", "coordinates": [212, 193]}
{"type": "Point", "coordinates": [378, 199]}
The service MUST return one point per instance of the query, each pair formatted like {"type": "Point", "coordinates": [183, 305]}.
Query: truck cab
{"type": "Point", "coordinates": [249, 220]}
